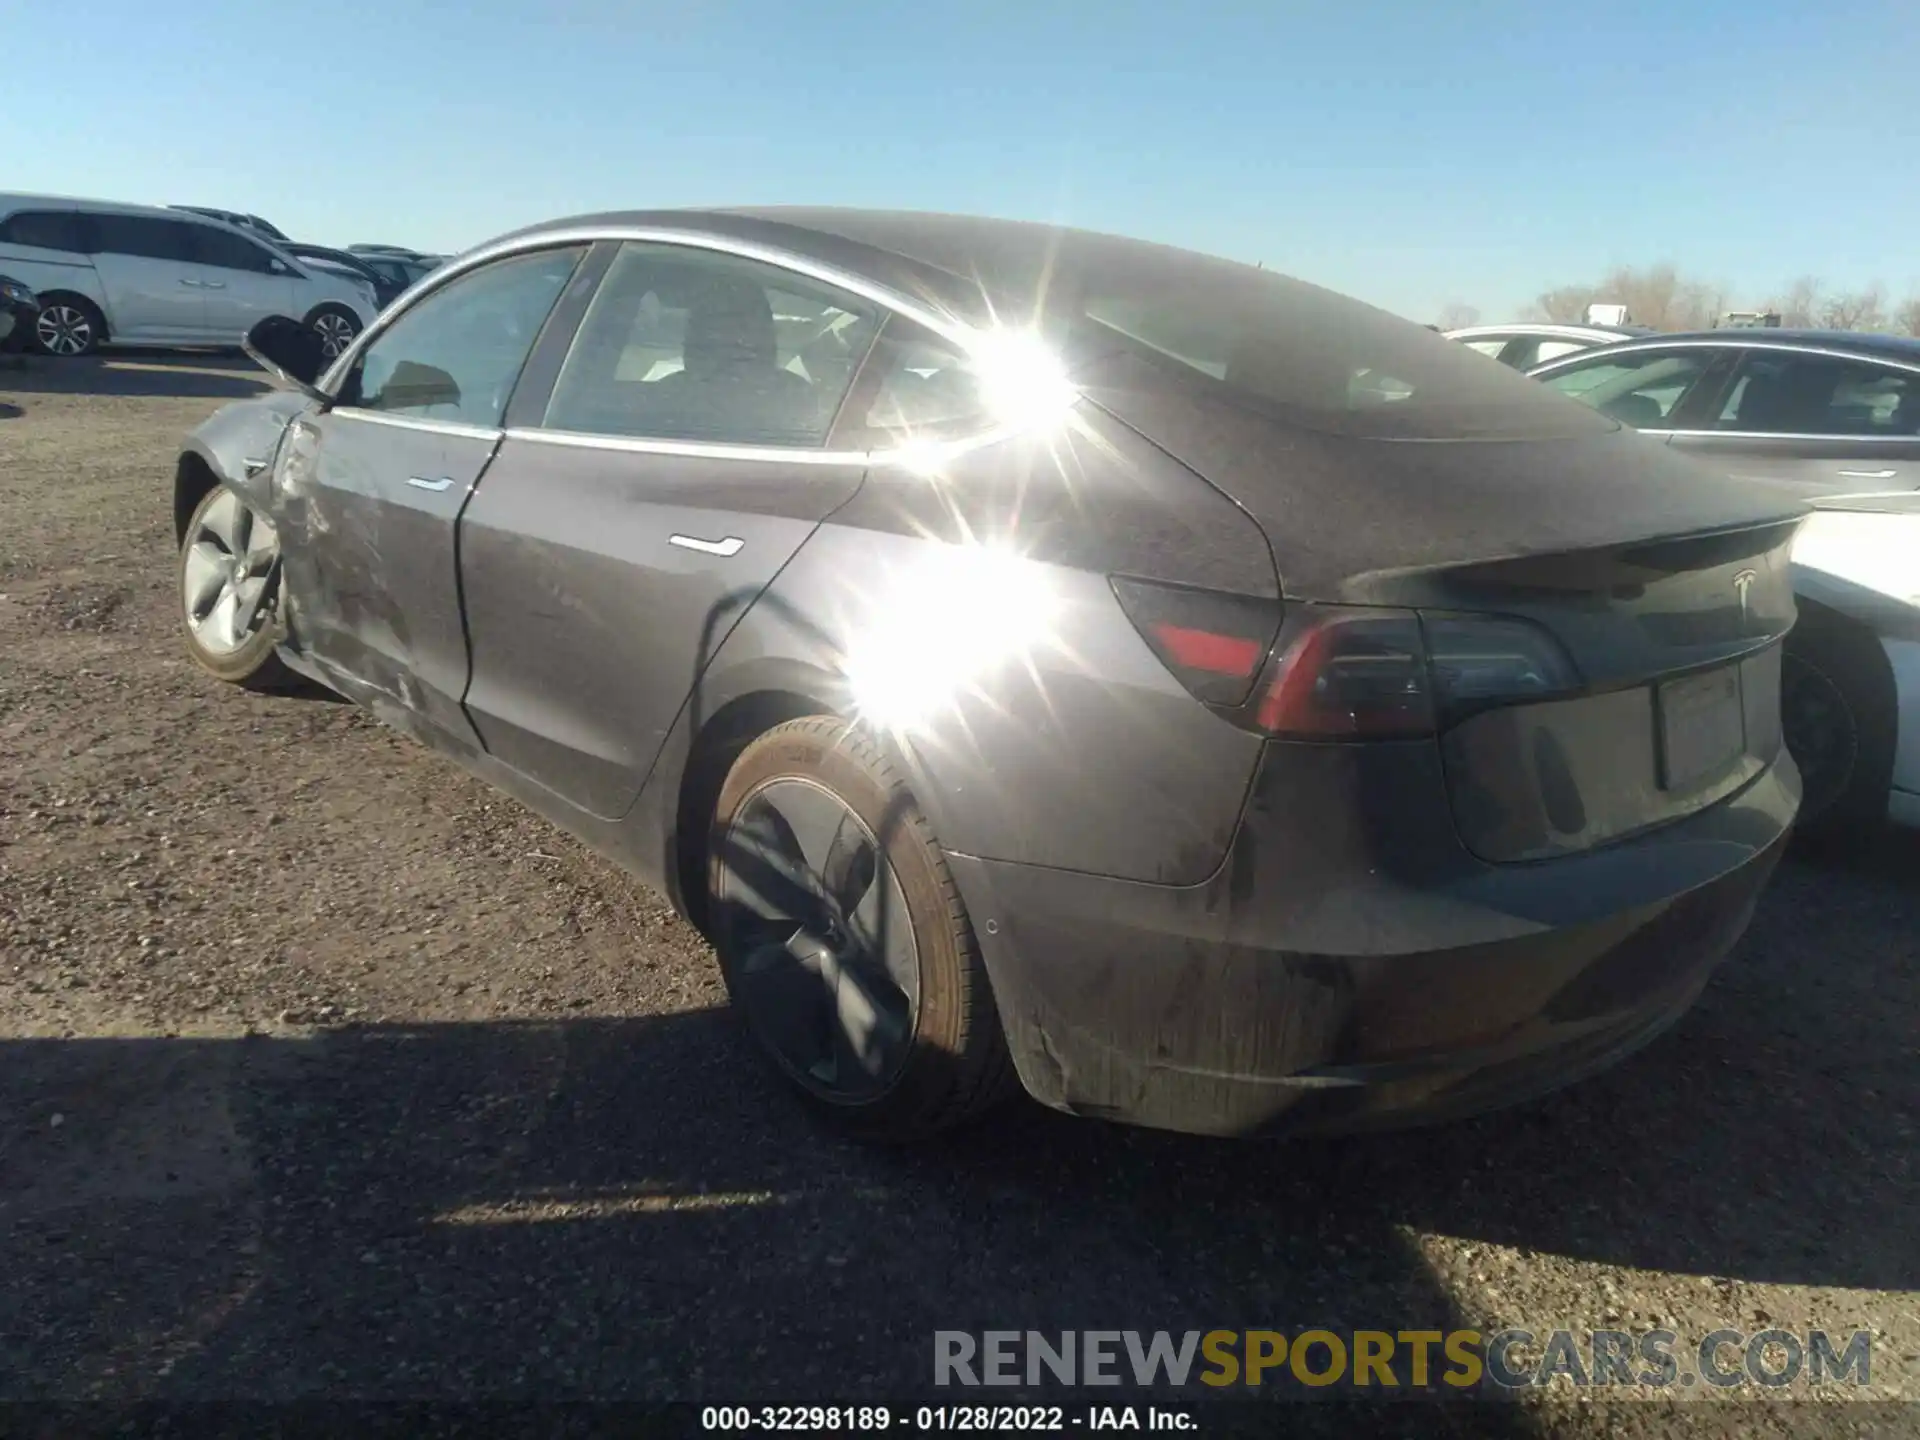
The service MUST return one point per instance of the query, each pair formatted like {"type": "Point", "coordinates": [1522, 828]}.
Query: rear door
{"type": "Point", "coordinates": [149, 278]}
{"type": "Point", "coordinates": [243, 283]}
{"type": "Point", "coordinates": [635, 513]}
{"type": "Point", "coordinates": [1822, 423]}
{"type": "Point", "coordinates": [375, 484]}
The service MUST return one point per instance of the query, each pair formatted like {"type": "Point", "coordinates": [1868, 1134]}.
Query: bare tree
{"type": "Point", "coordinates": [1800, 306]}
{"type": "Point", "coordinates": [1856, 310]}
{"type": "Point", "coordinates": [1565, 306]}
{"type": "Point", "coordinates": [1907, 318]}
{"type": "Point", "coordinates": [1456, 316]}
{"type": "Point", "coordinates": [1657, 295]}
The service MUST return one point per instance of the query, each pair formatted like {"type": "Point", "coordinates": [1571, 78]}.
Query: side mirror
{"type": "Point", "coordinates": [285, 348]}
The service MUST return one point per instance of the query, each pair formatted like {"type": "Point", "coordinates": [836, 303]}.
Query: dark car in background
{"type": "Point", "coordinates": [238, 218]}
{"type": "Point", "coordinates": [1219, 703]}
{"type": "Point", "coordinates": [388, 277]}
{"type": "Point", "coordinates": [19, 310]}
{"type": "Point", "coordinates": [1834, 418]}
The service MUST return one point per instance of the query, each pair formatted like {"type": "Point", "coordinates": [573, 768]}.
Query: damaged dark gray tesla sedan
{"type": "Point", "coordinates": [1028, 653]}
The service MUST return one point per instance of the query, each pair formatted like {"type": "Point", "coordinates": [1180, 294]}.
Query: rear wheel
{"type": "Point", "coordinates": [842, 937]}
{"type": "Point", "coordinates": [1838, 712]}
{"type": "Point", "coordinates": [229, 592]}
{"type": "Point", "coordinates": [69, 325]}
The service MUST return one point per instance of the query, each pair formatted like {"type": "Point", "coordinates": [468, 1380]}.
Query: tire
{"type": "Point", "coordinates": [1839, 713]}
{"type": "Point", "coordinates": [69, 326]}
{"type": "Point", "coordinates": [807, 965]}
{"type": "Point", "coordinates": [337, 327]}
{"type": "Point", "coordinates": [221, 532]}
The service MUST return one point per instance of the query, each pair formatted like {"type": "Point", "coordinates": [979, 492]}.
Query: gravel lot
{"type": "Point", "coordinates": [326, 1073]}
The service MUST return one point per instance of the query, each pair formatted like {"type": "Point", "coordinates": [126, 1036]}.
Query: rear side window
{"type": "Point", "coordinates": [916, 386]}
{"type": "Point", "coordinates": [46, 230]}
{"type": "Point", "coordinates": [684, 344]}
{"type": "Point", "coordinates": [145, 236]}
{"type": "Point", "coordinates": [1642, 389]}
{"type": "Point", "coordinates": [456, 354]}
{"type": "Point", "coordinates": [1315, 358]}
{"type": "Point", "coordinates": [1787, 394]}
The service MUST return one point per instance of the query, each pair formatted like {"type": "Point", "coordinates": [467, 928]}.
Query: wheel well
{"type": "Point", "coordinates": [324, 306]}
{"type": "Point", "coordinates": [192, 479]}
{"type": "Point", "coordinates": [730, 730]}
{"type": "Point", "coordinates": [106, 330]}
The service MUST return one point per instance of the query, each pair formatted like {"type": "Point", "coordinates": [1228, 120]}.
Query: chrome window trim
{"type": "Point", "coordinates": [949, 327]}
{"type": "Point", "coordinates": [691, 449]}
{"type": "Point", "coordinates": [1554, 367]}
{"type": "Point", "coordinates": [927, 455]}
{"type": "Point", "coordinates": [419, 422]}
{"type": "Point", "coordinates": [1798, 436]}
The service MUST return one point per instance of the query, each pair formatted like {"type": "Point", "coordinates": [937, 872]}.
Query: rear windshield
{"type": "Point", "coordinates": [1313, 357]}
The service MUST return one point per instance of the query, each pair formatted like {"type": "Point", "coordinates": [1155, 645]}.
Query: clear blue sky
{"type": "Point", "coordinates": [1410, 153]}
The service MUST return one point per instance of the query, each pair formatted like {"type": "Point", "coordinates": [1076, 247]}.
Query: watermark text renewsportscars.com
{"type": "Point", "coordinates": [1441, 1360]}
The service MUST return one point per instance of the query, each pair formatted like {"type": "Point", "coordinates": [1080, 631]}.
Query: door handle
{"type": "Point", "coordinates": [723, 548]}
{"type": "Point", "coordinates": [212, 284]}
{"type": "Point", "coordinates": [445, 482]}
{"type": "Point", "coordinates": [1868, 474]}
{"type": "Point", "coordinates": [192, 284]}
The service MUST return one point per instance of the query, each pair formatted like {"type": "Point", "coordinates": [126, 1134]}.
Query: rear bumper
{"type": "Point", "coordinates": [1352, 966]}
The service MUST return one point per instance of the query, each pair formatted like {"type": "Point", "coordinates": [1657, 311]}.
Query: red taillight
{"type": "Point", "coordinates": [1348, 675]}
{"type": "Point", "coordinates": [1216, 654]}
{"type": "Point", "coordinates": [1213, 641]}
{"type": "Point", "coordinates": [1343, 672]}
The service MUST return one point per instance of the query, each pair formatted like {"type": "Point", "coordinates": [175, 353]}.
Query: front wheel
{"type": "Point", "coordinates": [843, 940]}
{"type": "Point", "coordinates": [229, 592]}
{"type": "Point", "coordinates": [336, 326]}
{"type": "Point", "coordinates": [69, 325]}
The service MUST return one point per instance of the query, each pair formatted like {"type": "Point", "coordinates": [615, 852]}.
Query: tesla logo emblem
{"type": "Point", "coordinates": [1742, 583]}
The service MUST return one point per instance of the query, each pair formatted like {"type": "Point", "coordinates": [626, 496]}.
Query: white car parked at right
{"type": "Point", "coordinates": [1859, 556]}
{"type": "Point", "coordinates": [110, 274]}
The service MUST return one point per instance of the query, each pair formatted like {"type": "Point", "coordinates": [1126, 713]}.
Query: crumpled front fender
{"type": "Point", "coordinates": [236, 446]}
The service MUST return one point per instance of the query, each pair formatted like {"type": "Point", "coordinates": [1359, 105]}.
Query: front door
{"type": "Point", "coordinates": [373, 488]}
{"type": "Point", "coordinates": [243, 283]}
{"type": "Point", "coordinates": [616, 540]}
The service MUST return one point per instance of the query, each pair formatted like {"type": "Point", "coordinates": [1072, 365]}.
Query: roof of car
{"type": "Point", "coordinates": [952, 258]}
{"type": "Point", "coordinates": [1890, 347]}
{"type": "Point", "coordinates": [1547, 327]}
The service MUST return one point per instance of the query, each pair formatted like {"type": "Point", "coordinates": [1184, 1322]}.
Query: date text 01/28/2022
{"type": "Point", "coordinates": [973, 1418]}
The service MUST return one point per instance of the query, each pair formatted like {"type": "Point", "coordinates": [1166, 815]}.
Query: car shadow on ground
{"type": "Point", "coordinates": [9, 412]}
{"type": "Point", "coordinates": [635, 1208]}
{"type": "Point", "coordinates": [165, 374]}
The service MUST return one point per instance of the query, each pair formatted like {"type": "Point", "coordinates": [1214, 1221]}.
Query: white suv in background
{"type": "Point", "coordinates": [113, 274]}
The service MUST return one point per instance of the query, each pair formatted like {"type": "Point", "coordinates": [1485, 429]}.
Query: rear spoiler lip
{"type": "Point", "coordinates": [1393, 584]}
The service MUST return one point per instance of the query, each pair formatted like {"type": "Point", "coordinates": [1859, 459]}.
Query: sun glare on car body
{"type": "Point", "coordinates": [938, 627]}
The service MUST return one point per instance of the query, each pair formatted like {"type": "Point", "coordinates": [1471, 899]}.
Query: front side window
{"type": "Point", "coordinates": [229, 251]}
{"type": "Point", "coordinates": [1788, 394]}
{"type": "Point", "coordinates": [1491, 346]}
{"type": "Point", "coordinates": [147, 237]}
{"type": "Point", "coordinates": [45, 230]}
{"type": "Point", "coordinates": [1641, 390]}
{"type": "Point", "coordinates": [684, 344]}
{"type": "Point", "coordinates": [1553, 350]}
{"type": "Point", "coordinates": [457, 354]}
